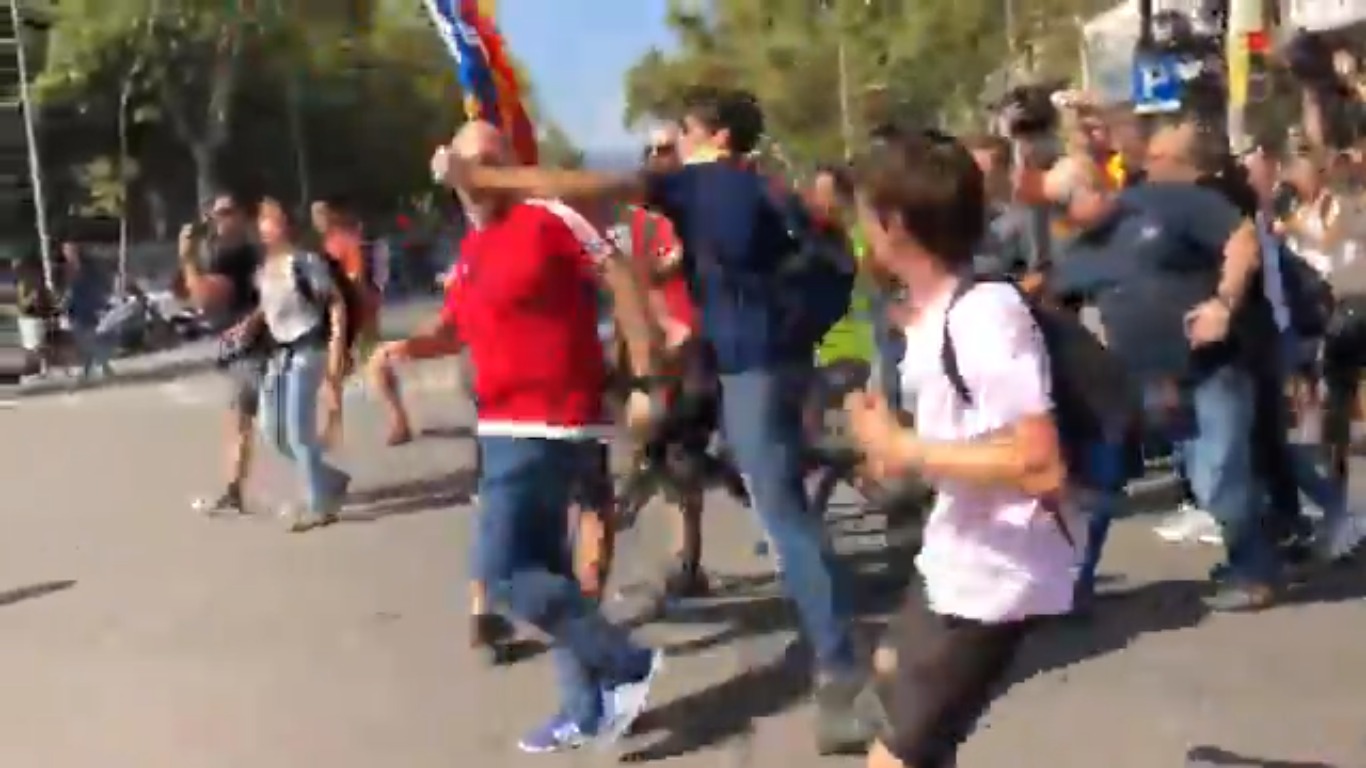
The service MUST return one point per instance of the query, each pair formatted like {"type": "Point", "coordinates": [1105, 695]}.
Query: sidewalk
{"type": "Point", "coordinates": [400, 318]}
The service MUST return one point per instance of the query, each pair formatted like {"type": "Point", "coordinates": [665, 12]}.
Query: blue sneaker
{"type": "Point", "coordinates": [623, 703]}
{"type": "Point", "coordinates": [560, 734]}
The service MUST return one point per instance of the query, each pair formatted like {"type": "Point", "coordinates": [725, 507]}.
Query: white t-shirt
{"type": "Point", "coordinates": [1315, 220]}
{"type": "Point", "coordinates": [988, 554]}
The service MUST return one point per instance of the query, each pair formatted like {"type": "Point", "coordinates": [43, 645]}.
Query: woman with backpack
{"type": "Point", "coordinates": [303, 309]}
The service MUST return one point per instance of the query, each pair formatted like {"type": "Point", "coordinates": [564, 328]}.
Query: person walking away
{"type": "Point", "coordinates": [522, 276]}
{"type": "Point", "coordinates": [224, 288]}
{"type": "Point", "coordinates": [305, 314]}
{"type": "Point", "coordinates": [37, 311]}
{"type": "Point", "coordinates": [86, 299]}
{"type": "Point", "coordinates": [735, 237]}
{"type": "Point", "coordinates": [997, 554]}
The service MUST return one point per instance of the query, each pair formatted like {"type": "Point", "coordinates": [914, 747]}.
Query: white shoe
{"type": "Point", "coordinates": [1343, 538]}
{"type": "Point", "coordinates": [1188, 523]}
{"type": "Point", "coordinates": [1210, 532]}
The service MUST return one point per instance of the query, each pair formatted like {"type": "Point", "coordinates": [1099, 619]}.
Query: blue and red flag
{"type": "Point", "coordinates": [485, 72]}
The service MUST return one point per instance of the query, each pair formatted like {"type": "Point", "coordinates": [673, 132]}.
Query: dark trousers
{"type": "Point", "coordinates": [1344, 355]}
{"type": "Point", "coordinates": [1271, 456]}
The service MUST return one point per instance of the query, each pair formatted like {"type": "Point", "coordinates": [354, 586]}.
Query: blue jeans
{"type": "Point", "coordinates": [288, 418]}
{"type": "Point", "coordinates": [523, 556]}
{"type": "Point", "coordinates": [1104, 477]}
{"type": "Point", "coordinates": [93, 351]}
{"type": "Point", "coordinates": [761, 412]}
{"type": "Point", "coordinates": [1216, 449]}
{"type": "Point", "coordinates": [1314, 482]}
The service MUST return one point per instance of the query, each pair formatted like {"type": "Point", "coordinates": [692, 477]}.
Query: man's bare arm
{"type": "Point", "coordinates": [631, 310]}
{"type": "Point", "coordinates": [1242, 258]}
{"type": "Point", "coordinates": [547, 182]}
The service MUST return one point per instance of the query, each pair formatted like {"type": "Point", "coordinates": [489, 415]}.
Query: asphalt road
{"type": "Point", "coordinates": [135, 633]}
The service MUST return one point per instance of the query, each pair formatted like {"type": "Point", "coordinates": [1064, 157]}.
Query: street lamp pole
{"type": "Point", "coordinates": [35, 166]}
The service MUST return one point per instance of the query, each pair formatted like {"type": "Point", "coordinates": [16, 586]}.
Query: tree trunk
{"type": "Point", "coordinates": [125, 95]}
{"type": "Point", "coordinates": [205, 175]}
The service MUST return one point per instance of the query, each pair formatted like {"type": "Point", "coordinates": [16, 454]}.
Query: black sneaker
{"type": "Point", "coordinates": [685, 580]}
{"type": "Point", "coordinates": [493, 635]}
{"type": "Point", "coordinates": [848, 716]}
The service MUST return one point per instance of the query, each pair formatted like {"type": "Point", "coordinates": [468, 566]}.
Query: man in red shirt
{"type": "Point", "coordinates": [521, 299]}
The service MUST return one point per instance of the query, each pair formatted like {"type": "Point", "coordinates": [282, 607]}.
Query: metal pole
{"type": "Point", "coordinates": [1244, 16]}
{"type": "Point", "coordinates": [35, 166]}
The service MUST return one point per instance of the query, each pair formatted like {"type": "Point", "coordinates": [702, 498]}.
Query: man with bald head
{"type": "Point", "coordinates": [521, 301]}
{"type": "Point", "coordinates": [1173, 271]}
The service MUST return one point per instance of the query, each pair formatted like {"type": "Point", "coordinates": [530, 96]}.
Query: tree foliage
{"type": "Point", "coordinates": [292, 98]}
{"type": "Point", "coordinates": [922, 60]}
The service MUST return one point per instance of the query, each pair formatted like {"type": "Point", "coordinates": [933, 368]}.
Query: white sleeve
{"type": "Point", "coordinates": [594, 245]}
{"type": "Point", "coordinates": [1001, 356]}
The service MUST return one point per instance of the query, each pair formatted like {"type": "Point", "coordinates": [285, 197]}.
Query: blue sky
{"type": "Point", "coordinates": [578, 51]}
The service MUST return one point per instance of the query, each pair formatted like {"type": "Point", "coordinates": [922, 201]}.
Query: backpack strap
{"type": "Point", "coordinates": [302, 284]}
{"type": "Point", "coordinates": [948, 356]}
{"type": "Point", "coordinates": [949, 360]}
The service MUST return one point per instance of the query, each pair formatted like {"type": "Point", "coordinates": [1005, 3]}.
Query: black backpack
{"type": "Point", "coordinates": [816, 279]}
{"type": "Point", "coordinates": [344, 286]}
{"type": "Point", "coordinates": [1093, 397]}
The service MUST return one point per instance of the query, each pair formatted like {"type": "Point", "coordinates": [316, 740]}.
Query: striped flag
{"type": "Point", "coordinates": [485, 71]}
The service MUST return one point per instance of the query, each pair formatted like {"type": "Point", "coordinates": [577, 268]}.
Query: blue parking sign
{"type": "Point", "coordinates": [1158, 83]}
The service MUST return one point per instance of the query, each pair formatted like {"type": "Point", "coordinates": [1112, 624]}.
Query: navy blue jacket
{"type": "Point", "coordinates": [735, 239]}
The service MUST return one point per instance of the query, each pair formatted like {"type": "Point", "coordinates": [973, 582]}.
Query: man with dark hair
{"type": "Point", "coordinates": [735, 237]}
{"type": "Point", "coordinates": [989, 569]}
{"type": "Point", "coordinates": [225, 288]}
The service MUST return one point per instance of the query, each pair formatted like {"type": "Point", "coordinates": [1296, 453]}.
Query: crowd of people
{"type": "Point", "coordinates": [1228, 296]}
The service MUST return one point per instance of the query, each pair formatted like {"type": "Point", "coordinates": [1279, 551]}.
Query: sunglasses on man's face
{"type": "Point", "coordinates": [223, 213]}
{"type": "Point", "coordinates": [661, 150]}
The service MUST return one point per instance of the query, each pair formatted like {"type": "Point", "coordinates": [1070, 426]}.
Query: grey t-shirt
{"type": "Point", "coordinates": [290, 314]}
{"type": "Point", "coordinates": [1016, 242]}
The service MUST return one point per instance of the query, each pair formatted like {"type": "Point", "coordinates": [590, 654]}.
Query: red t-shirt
{"type": "Point", "coordinates": [523, 300]}
{"type": "Point", "coordinates": [653, 240]}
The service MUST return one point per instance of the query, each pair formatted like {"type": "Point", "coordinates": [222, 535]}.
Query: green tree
{"type": "Point", "coordinates": [826, 70]}
{"type": "Point", "coordinates": [558, 149]}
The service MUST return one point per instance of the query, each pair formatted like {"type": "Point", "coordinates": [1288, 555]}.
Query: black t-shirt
{"type": "Point", "coordinates": [238, 264]}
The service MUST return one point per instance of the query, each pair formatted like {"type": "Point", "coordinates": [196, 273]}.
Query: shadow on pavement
{"type": "Point", "coordinates": [1117, 620]}
{"type": "Point", "coordinates": [1214, 757]}
{"type": "Point", "coordinates": [726, 712]}
{"type": "Point", "coordinates": [413, 497]}
{"type": "Point", "coordinates": [32, 591]}
{"type": "Point", "coordinates": [762, 686]}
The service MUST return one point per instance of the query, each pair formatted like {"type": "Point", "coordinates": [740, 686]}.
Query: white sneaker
{"type": "Point", "coordinates": [1344, 537]}
{"type": "Point", "coordinates": [1186, 524]}
{"type": "Point", "coordinates": [1209, 531]}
